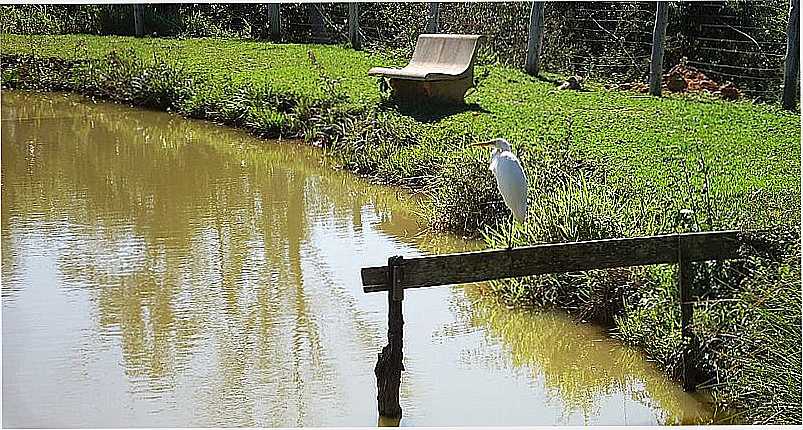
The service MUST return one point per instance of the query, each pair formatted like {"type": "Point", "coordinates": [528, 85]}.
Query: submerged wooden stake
{"type": "Point", "coordinates": [389, 365]}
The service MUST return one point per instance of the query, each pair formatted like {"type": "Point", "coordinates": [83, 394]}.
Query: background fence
{"type": "Point", "coordinates": [743, 42]}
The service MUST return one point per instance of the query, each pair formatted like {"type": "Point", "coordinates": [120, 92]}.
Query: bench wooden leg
{"type": "Point", "coordinates": [441, 91]}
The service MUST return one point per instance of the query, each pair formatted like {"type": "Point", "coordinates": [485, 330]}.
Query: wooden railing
{"type": "Point", "coordinates": [401, 274]}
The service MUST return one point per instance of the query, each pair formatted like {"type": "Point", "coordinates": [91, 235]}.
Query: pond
{"type": "Point", "coordinates": [164, 272]}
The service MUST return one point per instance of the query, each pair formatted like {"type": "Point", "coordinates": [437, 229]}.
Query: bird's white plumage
{"type": "Point", "coordinates": [511, 181]}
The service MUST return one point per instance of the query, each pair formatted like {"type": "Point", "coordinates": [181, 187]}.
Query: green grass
{"type": "Point", "coordinates": [220, 62]}
{"type": "Point", "coordinates": [600, 164]}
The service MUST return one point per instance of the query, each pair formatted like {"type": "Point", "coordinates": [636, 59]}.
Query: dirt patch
{"type": "Point", "coordinates": [684, 78]}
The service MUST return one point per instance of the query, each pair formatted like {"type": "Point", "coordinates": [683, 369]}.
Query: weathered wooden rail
{"type": "Point", "coordinates": [401, 274]}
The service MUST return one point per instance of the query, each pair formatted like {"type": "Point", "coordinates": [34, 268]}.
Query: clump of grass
{"type": "Point", "coordinates": [465, 198]}
{"type": "Point", "coordinates": [257, 108]}
{"type": "Point", "coordinates": [30, 19]}
{"type": "Point", "coordinates": [120, 76]}
{"type": "Point", "coordinates": [748, 342]}
{"type": "Point", "coordinates": [368, 145]}
{"type": "Point", "coordinates": [757, 346]}
{"type": "Point", "coordinates": [201, 22]}
{"type": "Point", "coordinates": [125, 77]}
{"type": "Point", "coordinates": [41, 74]}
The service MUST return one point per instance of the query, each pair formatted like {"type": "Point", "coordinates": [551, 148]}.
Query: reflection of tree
{"type": "Point", "coordinates": [187, 242]}
{"type": "Point", "coordinates": [579, 372]}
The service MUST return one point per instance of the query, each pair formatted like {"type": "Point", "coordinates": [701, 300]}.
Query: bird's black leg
{"type": "Point", "coordinates": [510, 236]}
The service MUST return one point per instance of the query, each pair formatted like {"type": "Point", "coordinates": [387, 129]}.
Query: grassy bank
{"type": "Point", "coordinates": [600, 163]}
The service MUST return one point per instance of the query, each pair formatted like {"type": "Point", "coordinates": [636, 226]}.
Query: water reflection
{"type": "Point", "coordinates": [165, 272]}
{"type": "Point", "coordinates": [579, 365]}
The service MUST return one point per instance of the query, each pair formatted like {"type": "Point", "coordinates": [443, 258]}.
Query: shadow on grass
{"type": "Point", "coordinates": [429, 111]}
{"type": "Point", "coordinates": [553, 81]}
{"type": "Point", "coordinates": [558, 83]}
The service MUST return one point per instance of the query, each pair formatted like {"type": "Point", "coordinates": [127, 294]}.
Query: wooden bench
{"type": "Point", "coordinates": [442, 68]}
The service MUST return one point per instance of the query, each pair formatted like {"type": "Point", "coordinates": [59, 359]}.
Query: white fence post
{"type": "Point", "coordinates": [139, 20]}
{"type": "Point", "coordinates": [433, 17]}
{"type": "Point", "coordinates": [657, 58]}
{"type": "Point", "coordinates": [792, 61]}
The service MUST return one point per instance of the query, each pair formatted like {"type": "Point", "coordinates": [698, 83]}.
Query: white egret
{"type": "Point", "coordinates": [510, 179]}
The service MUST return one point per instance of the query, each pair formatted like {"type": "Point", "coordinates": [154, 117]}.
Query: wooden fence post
{"type": "Point", "coordinates": [657, 58]}
{"type": "Point", "coordinates": [688, 222]}
{"type": "Point", "coordinates": [317, 22]}
{"type": "Point", "coordinates": [275, 21]}
{"type": "Point", "coordinates": [389, 364]}
{"type": "Point", "coordinates": [139, 20]}
{"type": "Point", "coordinates": [792, 62]}
{"type": "Point", "coordinates": [433, 17]}
{"type": "Point", "coordinates": [354, 26]}
{"type": "Point", "coordinates": [686, 318]}
{"type": "Point", "coordinates": [535, 39]}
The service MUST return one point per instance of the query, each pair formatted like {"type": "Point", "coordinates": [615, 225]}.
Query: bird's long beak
{"type": "Point", "coordinates": [486, 143]}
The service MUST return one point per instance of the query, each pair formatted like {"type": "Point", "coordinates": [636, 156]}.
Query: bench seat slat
{"type": "Point", "coordinates": [419, 73]}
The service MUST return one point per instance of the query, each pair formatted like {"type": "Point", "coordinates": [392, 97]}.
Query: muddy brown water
{"type": "Point", "coordinates": [163, 272]}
